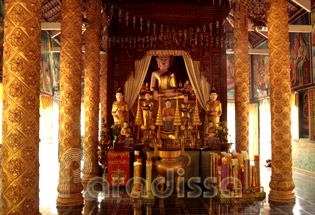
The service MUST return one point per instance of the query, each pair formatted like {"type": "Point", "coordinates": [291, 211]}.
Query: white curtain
{"type": "Point", "coordinates": [199, 83]}
{"type": "Point", "coordinates": [133, 84]}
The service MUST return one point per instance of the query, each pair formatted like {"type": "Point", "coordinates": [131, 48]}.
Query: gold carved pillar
{"type": "Point", "coordinates": [241, 78]}
{"type": "Point", "coordinates": [104, 75]}
{"type": "Point", "coordinates": [91, 89]}
{"type": "Point", "coordinates": [70, 187]}
{"type": "Point", "coordinates": [20, 122]}
{"type": "Point", "coordinates": [281, 183]}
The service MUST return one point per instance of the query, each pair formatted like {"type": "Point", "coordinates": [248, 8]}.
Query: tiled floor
{"type": "Point", "coordinates": [123, 205]}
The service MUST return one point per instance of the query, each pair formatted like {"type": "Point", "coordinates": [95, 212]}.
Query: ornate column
{"type": "Point", "coordinates": [104, 67]}
{"type": "Point", "coordinates": [91, 89]}
{"type": "Point", "coordinates": [70, 186]}
{"type": "Point", "coordinates": [281, 183]}
{"type": "Point", "coordinates": [20, 122]}
{"type": "Point", "coordinates": [241, 78]}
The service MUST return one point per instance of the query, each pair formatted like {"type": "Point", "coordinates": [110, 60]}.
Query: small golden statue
{"type": "Point", "coordinates": [147, 107]}
{"type": "Point", "coordinates": [168, 113]}
{"type": "Point", "coordinates": [120, 109]}
{"type": "Point", "coordinates": [185, 109]}
{"type": "Point", "coordinates": [214, 108]}
{"type": "Point", "coordinates": [126, 130]}
{"type": "Point", "coordinates": [210, 132]}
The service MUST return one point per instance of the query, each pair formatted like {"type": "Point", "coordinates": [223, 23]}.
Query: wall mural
{"type": "Point", "coordinates": [261, 77]}
{"type": "Point", "coordinates": [56, 73]}
{"type": "Point", "coordinates": [230, 77]}
{"type": "Point", "coordinates": [300, 59]}
{"type": "Point", "coordinates": [46, 84]}
{"type": "Point", "coordinates": [304, 114]}
{"type": "Point", "coordinates": [313, 43]}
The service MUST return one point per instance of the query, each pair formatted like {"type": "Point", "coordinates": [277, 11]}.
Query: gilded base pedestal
{"type": "Point", "coordinates": [281, 196]}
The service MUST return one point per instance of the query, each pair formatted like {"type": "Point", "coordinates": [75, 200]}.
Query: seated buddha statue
{"type": "Point", "coordinates": [120, 109]}
{"type": "Point", "coordinates": [126, 130]}
{"type": "Point", "coordinates": [213, 108]}
{"type": "Point", "coordinates": [166, 79]}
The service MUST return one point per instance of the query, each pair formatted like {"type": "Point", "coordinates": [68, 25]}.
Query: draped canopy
{"type": "Point", "coordinates": [199, 83]}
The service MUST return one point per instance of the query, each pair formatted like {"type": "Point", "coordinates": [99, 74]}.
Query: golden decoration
{"type": "Point", "coordinates": [196, 119]}
{"type": "Point", "coordinates": [70, 187]}
{"type": "Point", "coordinates": [91, 90]}
{"type": "Point", "coordinates": [159, 118]}
{"type": "Point", "coordinates": [138, 120]}
{"type": "Point", "coordinates": [20, 161]}
{"type": "Point", "coordinates": [241, 78]}
{"type": "Point", "coordinates": [281, 183]}
{"type": "Point", "coordinates": [177, 121]}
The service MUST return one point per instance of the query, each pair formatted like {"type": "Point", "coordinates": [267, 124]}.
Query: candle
{"type": "Point", "coordinates": [148, 179]}
{"type": "Point", "coordinates": [139, 160]}
{"type": "Point", "coordinates": [257, 172]}
{"type": "Point", "coordinates": [219, 177]}
{"type": "Point", "coordinates": [240, 162]}
{"type": "Point", "coordinates": [136, 189]}
{"type": "Point", "coordinates": [136, 155]}
{"type": "Point", "coordinates": [240, 158]}
{"type": "Point", "coordinates": [245, 155]}
{"type": "Point", "coordinates": [224, 160]}
{"type": "Point", "coordinates": [234, 162]}
{"type": "Point", "coordinates": [229, 158]}
{"type": "Point", "coordinates": [217, 163]}
{"type": "Point", "coordinates": [212, 164]}
{"type": "Point", "coordinates": [247, 174]}
{"type": "Point", "coordinates": [234, 154]}
{"type": "Point", "coordinates": [253, 176]}
{"type": "Point", "coordinates": [224, 171]}
{"type": "Point", "coordinates": [243, 176]}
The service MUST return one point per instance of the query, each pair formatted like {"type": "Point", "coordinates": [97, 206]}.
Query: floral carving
{"type": "Point", "coordinates": [15, 115]}
{"type": "Point", "coordinates": [15, 140]}
{"type": "Point", "coordinates": [16, 89]}
{"type": "Point", "coordinates": [15, 167]}
{"type": "Point", "coordinates": [19, 14]}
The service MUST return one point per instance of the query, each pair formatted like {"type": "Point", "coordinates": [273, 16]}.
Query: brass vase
{"type": "Point", "coordinates": [169, 160]}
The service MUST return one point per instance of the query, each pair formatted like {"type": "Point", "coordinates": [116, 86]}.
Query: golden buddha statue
{"type": "Point", "coordinates": [120, 108]}
{"type": "Point", "coordinates": [213, 108]}
{"type": "Point", "coordinates": [126, 130]}
{"type": "Point", "coordinates": [185, 109]}
{"type": "Point", "coordinates": [166, 79]}
{"type": "Point", "coordinates": [147, 107]}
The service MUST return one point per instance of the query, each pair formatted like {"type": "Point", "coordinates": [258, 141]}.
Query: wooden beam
{"type": "Point", "coordinates": [292, 28]}
{"type": "Point", "coordinates": [305, 4]}
{"type": "Point", "coordinates": [251, 51]}
{"type": "Point", "coordinates": [57, 49]}
{"type": "Point", "coordinates": [54, 26]}
{"type": "Point", "coordinates": [50, 26]}
{"type": "Point", "coordinates": [300, 28]}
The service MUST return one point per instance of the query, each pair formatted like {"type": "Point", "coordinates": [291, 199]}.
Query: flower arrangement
{"type": "Point", "coordinates": [116, 129]}
{"type": "Point", "coordinates": [222, 132]}
{"type": "Point", "coordinates": [104, 145]}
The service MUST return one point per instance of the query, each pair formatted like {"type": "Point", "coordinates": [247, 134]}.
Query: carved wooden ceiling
{"type": "Point", "coordinates": [179, 12]}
